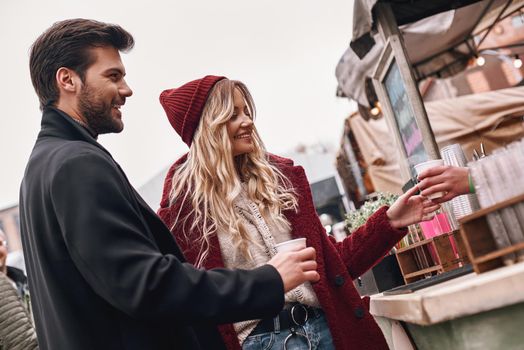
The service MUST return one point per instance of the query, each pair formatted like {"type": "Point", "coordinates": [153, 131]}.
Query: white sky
{"type": "Point", "coordinates": [284, 50]}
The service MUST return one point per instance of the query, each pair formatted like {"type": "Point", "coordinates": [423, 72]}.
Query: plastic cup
{"type": "Point", "coordinates": [420, 167]}
{"type": "Point", "coordinates": [291, 245]}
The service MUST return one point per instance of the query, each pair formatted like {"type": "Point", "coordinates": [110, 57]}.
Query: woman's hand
{"type": "Point", "coordinates": [452, 180]}
{"type": "Point", "coordinates": [410, 209]}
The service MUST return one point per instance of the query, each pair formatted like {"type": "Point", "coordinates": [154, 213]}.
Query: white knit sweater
{"type": "Point", "coordinates": [264, 235]}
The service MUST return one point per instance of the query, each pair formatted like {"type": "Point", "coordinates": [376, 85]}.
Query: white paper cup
{"type": "Point", "coordinates": [294, 244]}
{"type": "Point", "coordinates": [420, 167]}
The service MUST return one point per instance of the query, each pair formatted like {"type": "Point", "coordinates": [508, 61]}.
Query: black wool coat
{"type": "Point", "coordinates": [104, 271]}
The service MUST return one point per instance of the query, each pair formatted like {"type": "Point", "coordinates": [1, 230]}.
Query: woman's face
{"type": "Point", "coordinates": [240, 127]}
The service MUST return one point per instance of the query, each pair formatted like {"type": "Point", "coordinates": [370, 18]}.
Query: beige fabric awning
{"type": "Point", "coordinates": [494, 118]}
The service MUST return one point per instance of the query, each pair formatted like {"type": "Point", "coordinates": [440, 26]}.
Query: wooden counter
{"type": "Point", "coordinates": [484, 311]}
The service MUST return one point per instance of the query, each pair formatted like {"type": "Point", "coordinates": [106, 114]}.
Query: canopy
{"type": "Point", "coordinates": [404, 12]}
{"type": "Point", "coordinates": [439, 45]}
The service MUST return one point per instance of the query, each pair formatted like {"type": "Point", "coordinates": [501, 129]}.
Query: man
{"type": "Point", "coordinates": [104, 271]}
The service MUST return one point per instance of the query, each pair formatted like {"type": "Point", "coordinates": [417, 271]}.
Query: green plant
{"type": "Point", "coordinates": [357, 218]}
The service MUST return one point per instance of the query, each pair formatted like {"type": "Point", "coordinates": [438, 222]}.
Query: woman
{"type": "Point", "coordinates": [234, 202]}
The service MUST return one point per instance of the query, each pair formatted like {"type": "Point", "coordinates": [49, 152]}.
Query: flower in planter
{"type": "Point", "coordinates": [357, 218]}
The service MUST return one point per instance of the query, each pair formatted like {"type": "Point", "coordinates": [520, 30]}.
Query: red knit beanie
{"type": "Point", "coordinates": [184, 105]}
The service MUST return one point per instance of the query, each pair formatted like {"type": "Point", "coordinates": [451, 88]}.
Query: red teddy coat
{"type": "Point", "coordinates": [351, 325]}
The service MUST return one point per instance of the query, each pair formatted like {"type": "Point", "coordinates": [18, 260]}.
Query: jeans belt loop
{"type": "Point", "coordinates": [276, 323]}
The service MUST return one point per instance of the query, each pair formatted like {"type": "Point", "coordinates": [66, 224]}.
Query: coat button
{"type": "Point", "coordinates": [358, 312]}
{"type": "Point", "coordinates": [339, 280]}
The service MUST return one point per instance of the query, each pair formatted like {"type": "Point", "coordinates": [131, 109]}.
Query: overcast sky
{"type": "Point", "coordinates": [285, 51]}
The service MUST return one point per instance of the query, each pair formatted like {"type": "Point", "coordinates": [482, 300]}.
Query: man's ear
{"type": "Point", "coordinates": [67, 80]}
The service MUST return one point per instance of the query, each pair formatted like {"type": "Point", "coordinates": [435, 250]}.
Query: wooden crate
{"type": "Point", "coordinates": [436, 251]}
{"type": "Point", "coordinates": [478, 238]}
{"type": "Point", "coordinates": [446, 255]}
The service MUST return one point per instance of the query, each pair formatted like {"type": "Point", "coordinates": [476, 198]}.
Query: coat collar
{"type": "Point", "coordinates": [57, 123]}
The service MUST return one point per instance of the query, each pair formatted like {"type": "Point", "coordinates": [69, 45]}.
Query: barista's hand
{"type": "Point", "coordinates": [451, 180]}
{"type": "Point", "coordinates": [410, 209]}
{"type": "Point", "coordinates": [296, 267]}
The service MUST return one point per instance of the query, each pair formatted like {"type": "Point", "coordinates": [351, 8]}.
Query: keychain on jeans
{"type": "Point", "coordinates": [294, 332]}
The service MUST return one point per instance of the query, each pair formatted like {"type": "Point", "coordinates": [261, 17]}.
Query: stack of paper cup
{"type": "Point", "coordinates": [453, 155]}
{"type": "Point", "coordinates": [494, 177]}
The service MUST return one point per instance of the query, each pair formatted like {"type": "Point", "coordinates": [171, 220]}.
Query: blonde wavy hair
{"type": "Point", "coordinates": [211, 178]}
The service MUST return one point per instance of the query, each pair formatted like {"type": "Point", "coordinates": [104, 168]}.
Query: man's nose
{"type": "Point", "coordinates": [125, 90]}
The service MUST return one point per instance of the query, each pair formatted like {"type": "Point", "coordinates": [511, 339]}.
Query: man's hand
{"type": "Point", "coordinates": [410, 209]}
{"type": "Point", "coordinates": [296, 267]}
{"type": "Point", "coordinates": [451, 180]}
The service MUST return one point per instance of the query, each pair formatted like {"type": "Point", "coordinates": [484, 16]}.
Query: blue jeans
{"type": "Point", "coordinates": [316, 329]}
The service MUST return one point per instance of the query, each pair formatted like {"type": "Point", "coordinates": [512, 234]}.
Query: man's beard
{"type": "Point", "coordinates": [97, 113]}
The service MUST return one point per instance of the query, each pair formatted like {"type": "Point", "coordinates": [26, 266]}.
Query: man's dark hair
{"type": "Point", "coordinates": [67, 44]}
